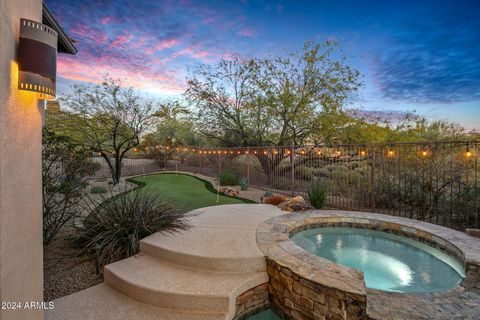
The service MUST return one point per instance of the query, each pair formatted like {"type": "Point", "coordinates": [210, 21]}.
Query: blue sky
{"type": "Point", "coordinates": [413, 55]}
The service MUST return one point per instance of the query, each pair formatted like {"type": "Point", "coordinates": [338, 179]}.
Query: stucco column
{"type": "Point", "coordinates": [21, 252]}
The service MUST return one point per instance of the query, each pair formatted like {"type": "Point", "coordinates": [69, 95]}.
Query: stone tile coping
{"type": "Point", "coordinates": [273, 239]}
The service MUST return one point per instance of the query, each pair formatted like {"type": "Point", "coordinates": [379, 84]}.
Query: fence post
{"type": "Point", "coordinates": [200, 151]}
{"type": "Point", "coordinates": [292, 163]}
{"type": "Point", "coordinates": [219, 164]}
{"type": "Point", "coordinates": [372, 179]}
{"type": "Point", "coordinates": [248, 164]}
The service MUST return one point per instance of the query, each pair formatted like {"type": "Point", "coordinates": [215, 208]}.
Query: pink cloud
{"type": "Point", "coordinates": [247, 32]}
{"type": "Point", "coordinates": [121, 40]}
{"type": "Point", "coordinates": [106, 20]}
{"type": "Point", "coordinates": [168, 43]}
{"type": "Point", "coordinates": [87, 34]}
{"type": "Point", "coordinates": [194, 52]}
{"type": "Point", "coordinates": [141, 77]}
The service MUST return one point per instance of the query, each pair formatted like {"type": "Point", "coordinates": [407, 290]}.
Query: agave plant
{"type": "Point", "coordinates": [317, 194]}
{"type": "Point", "coordinates": [267, 194]}
{"type": "Point", "coordinates": [243, 183]}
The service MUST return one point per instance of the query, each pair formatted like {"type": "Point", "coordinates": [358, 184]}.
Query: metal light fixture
{"type": "Point", "coordinates": [37, 58]}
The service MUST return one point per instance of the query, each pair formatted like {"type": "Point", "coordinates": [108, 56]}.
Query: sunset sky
{"type": "Point", "coordinates": [413, 55]}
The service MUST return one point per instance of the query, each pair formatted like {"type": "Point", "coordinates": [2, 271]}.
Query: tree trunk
{"type": "Point", "coordinates": [117, 174]}
{"type": "Point", "coordinates": [269, 165]}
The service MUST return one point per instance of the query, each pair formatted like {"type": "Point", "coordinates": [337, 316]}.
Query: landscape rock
{"type": "Point", "coordinates": [231, 191]}
{"type": "Point", "coordinates": [294, 204]}
{"type": "Point", "coordinates": [275, 199]}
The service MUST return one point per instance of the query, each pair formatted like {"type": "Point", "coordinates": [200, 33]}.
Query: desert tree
{"type": "Point", "coordinates": [107, 119]}
{"type": "Point", "coordinates": [174, 129]}
{"type": "Point", "coordinates": [271, 101]}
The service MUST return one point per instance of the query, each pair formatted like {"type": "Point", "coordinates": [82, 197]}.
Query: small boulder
{"type": "Point", "coordinates": [231, 191]}
{"type": "Point", "coordinates": [275, 199]}
{"type": "Point", "coordinates": [294, 204]}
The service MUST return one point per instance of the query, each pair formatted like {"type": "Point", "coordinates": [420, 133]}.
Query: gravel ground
{"type": "Point", "coordinates": [66, 269]}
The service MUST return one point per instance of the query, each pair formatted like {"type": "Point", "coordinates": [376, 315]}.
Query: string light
{"type": "Point", "coordinates": [339, 152]}
{"type": "Point", "coordinates": [288, 152]}
{"type": "Point", "coordinates": [391, 153]}
{"type": "Point", "coordinates": [468, 153]}
{"type": "Point", "coordinates": [302, 152]}
{"type": "Point", "coordinates": [246, 151]}
{"type": "Point", "coordinates": [424, 153]}
{"type": "Point", "coordinates": [264, 152]}
{"type": "Point", "coordinates": [255, 152]}
{"type": "Point", "coordinates": [275, 152]}
{"type": "Point", "coordinates": [362, 153]}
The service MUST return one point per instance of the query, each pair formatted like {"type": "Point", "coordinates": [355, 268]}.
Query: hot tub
{"type": "Point", "coordinates": [389, 262]}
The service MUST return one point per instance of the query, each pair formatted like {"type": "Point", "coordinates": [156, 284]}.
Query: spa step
{"type": "Point", "coordinates": [104, 302]}
{"type": "Point", "coordinates": [201, 248]}
{"type": "Point", "coordinates": [153, 281]}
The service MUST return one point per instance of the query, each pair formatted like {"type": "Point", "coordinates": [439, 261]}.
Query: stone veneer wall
{"type": "Point", "coordinates": [298, 298]}
{"type": "Point", "coordinates": [304, 286]}
{"type": "Point", "coordinates": [252, 301]}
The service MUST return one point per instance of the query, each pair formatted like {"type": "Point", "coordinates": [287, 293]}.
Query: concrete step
{"type": "Point", "coordinates": [102, 302]}
{"type": "Point", "coordinates": [153, 281]}
{"type": "Point", "coordinates": [214, 249]}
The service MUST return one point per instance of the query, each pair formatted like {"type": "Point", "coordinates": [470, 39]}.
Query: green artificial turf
{"type": "Point", "coordinates": [184, 191]}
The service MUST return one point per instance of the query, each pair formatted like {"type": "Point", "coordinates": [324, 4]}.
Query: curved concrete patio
{"type": "Point", "coordinates": [193, 274]}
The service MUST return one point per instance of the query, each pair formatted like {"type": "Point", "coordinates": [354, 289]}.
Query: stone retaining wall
{"type": "Point", "coordinates": [252, 301]}
{"type": "Point", "coordinates": [298, 298]}
{"type": "Point", "coordinates": [305, 286]}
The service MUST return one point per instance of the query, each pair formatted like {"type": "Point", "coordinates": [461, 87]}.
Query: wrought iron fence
{"type": "Point", "coordinates": [435, 182]}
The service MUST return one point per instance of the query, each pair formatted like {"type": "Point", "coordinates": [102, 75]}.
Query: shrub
{"type": "Point", "coordinates": [98, 189]}
{"type": "Point", "coordinates": [317, 194]}
{"type": "Point", "coordinates": [227, 178]}
{"type": "Point", "coordinates": [304, 172]}
{"type": "Point", "coordinates": [244, 183]}
{"type": "Point", "coordinates": [267, 194]}
{"type": "Point", "coordinates": [65, 168]}
{"type": "Point", "coordinates": [113, 230]}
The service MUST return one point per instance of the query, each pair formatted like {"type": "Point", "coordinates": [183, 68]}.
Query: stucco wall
{"type": "Point", "coordinates": [21, 256]}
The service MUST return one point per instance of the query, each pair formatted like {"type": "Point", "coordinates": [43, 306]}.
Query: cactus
{"type": "Point", "coordinates": [268, 194]}
{"type": "Point", "coordinates": [244, 183]}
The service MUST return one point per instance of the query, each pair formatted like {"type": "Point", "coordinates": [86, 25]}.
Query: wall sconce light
{"type": "Point", "coordinates": [37, 58]}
